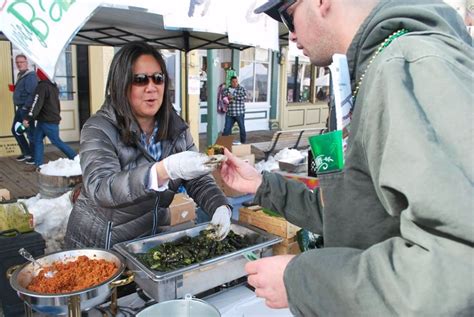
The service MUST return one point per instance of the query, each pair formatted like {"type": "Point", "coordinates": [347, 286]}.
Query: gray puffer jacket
{"type": "Point", "coordinates": [115, 203]}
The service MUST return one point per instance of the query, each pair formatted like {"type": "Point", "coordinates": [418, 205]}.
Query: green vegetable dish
{"type": "Point", "coordinates": [189, 250]}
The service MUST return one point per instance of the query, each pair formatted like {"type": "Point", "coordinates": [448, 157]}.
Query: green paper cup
{"type": "Point", "coordinates": [327, 151]}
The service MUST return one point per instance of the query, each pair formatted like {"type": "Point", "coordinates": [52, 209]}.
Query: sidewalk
{"type": "Point", "coordinates": [21, 180]}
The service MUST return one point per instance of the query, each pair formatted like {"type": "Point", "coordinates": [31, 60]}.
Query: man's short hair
{"type": "Point", "coordinates": [233, 77]}
{"type": "Point", "coordinates": [21, 56]}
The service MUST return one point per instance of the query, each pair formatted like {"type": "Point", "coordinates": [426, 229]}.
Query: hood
{"type": "Point", "coordinates": [28, 72]}
{"type": "Point", "coordinates": [429, 16]}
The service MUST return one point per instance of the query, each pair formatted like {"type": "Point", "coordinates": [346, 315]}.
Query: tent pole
{"type": "Point", "coordinates": [213, 65]}
{"type": "Point", "coordinates": [184, 89]}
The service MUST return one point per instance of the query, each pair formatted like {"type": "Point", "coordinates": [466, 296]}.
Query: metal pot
{"type": "Point", "coordinates": [187, 307]}
{"type": "Point", "coordinates": [68, 303]}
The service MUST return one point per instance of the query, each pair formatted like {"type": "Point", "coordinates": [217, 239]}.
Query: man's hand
{"type": "Point", "coordinates": [186, 165]}
{"type": "Point", "coordinates": [266, 275]}
{"type": "Point", "coordinates": [240, 175]}
{"type": "Point", "coordinates": [221, 220]}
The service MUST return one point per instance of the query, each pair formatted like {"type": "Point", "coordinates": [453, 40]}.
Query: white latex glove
{"type": "Point", "coordinates": [187, 165]}
{"type": "Point", "coordinates": [221, 221]}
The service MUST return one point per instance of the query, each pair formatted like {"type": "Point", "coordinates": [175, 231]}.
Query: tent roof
{"type": "Point", "coordinates": [115, 27]}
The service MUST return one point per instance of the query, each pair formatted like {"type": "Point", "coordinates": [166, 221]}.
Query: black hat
{"type": "Point", "coordinates": [271, 8]}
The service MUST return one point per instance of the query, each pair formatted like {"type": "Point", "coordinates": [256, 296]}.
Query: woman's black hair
{"type": "Point", "coordinates": [118, 85]}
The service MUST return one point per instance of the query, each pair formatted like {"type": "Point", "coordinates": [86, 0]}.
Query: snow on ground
{"type": "Point", "coordinates": [50, 217]}
{"type": "Point", "coordinates": [62, 167]}
{"type": "Point", "coordinates": [287, 155]}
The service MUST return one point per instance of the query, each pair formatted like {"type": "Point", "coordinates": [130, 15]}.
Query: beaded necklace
{"type": "Point", "coordinates": [382, 46]}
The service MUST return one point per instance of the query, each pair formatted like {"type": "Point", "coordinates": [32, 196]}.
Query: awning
{"type": "Point", "coordinates": [115, 27]}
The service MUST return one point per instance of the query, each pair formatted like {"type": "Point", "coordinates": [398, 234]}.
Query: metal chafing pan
{"type": "Point", "coordinates": [67, 303]}
{"type": "Point", "coordinates": [198, 277]}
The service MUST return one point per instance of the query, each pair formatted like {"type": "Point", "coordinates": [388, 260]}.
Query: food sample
{"type": "Point", "coordinates": [189, 250]}
{"type": "Point", "coordinates": [72, 276]}
{"type": "Point", "coordinates": [215, 149]}
{"type": "Point", "coordinates": [216, 160]}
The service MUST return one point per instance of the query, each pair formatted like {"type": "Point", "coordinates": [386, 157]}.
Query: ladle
{"type": "Point", "coordinates": [27, 255]}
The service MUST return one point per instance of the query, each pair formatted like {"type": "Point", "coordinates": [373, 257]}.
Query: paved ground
{"type": "Point", "coordinates": [21, 179]}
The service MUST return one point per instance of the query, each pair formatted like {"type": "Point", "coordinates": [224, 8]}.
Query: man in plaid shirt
{"type": "Point", "coordinates": [236, 95]}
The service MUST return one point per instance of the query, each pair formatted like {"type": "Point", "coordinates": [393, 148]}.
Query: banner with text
{"type": "Point", "coordinates": [41, 29]}
{"type": "Point", "coordinates": [247, 28]}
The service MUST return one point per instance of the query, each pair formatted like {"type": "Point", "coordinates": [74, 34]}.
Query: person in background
{"type": "Point", "coordinates": [24, 90]}
{"type": "Point", "coordinates": [46, 110]}
{"type": "Point", "coordinates": [397, 220]}
{"type": "Point", "coordinates": [236, 95]}
{"type": "Point", "coordinates": [135, 153]}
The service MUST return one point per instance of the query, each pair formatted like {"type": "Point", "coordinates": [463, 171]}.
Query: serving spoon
{"type": "Point", "coordinates": [27, 255]}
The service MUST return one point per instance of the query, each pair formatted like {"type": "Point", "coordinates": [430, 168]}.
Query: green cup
{"type": "Point", "coordinates": [327, 151]}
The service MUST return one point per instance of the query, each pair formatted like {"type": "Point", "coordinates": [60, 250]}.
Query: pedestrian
{"type": "Point", "coordinates": [135, 154]}
{"type": "Point", "coordinates": [397, 220]}
{"type": "Point", "coordinates": [236, 95]}
{"type": "Point", "coordinates": [24, 90]}
{"type": "Point", "coordinates": [46, 110]}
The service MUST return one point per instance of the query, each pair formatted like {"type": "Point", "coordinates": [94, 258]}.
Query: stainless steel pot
{"type": "Point", "coordinates": [187, 307]}
{"type": "Point", "coordinates": [68, 303]}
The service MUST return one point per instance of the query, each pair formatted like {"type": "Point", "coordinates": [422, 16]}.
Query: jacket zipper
{"type": "Point", "coordinates": [108, 235]}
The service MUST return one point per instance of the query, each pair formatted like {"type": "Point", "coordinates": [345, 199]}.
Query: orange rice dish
{"type": "Point", "coordinates": [72, 276]}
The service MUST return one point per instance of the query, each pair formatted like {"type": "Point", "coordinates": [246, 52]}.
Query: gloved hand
{"type": "Point", "coordinates": [221, 221]}
{"type": "Point", "coordinates": [187, 165]}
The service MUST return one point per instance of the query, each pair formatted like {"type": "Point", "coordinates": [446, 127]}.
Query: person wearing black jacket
{"type": "Point", "coordinates": [45, 110]}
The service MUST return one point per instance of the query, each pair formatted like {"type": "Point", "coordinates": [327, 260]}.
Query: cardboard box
{"type": "Point", "coordinates": [241, 149]}
{"type": "Point", "coordinates": [182, 209]}
{"type": "Point", "coordinates": [225, 141]}
{"type": "Point", "coordinates": [236, 149]}
{"type": "Point", "coordinates": [250, 158]}
{"type": "Point", "coordinates": [4, 194]}
{"type": "Point", "coordinates": [275, 225]}
{"type": "Point", "coordinates": [287, 246]}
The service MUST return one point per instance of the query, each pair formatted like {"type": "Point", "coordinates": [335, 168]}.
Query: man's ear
{"type": "Point", "coordinates": [324, 7]}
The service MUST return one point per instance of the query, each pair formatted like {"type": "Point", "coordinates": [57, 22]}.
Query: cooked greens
{"type": "Point", "coordinates": [188, 250]}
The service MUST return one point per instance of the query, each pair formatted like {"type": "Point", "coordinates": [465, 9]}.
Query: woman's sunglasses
{"type": "Point", "coordinates": [287, 18]}
{"type": "Point", "coordinates": [144, 79]}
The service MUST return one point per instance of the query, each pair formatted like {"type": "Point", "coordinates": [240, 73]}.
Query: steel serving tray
{"type": "Point", "coordinates": [197, 277]}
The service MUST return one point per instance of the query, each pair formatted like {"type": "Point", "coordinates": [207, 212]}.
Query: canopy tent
{"type": "Point", "coordinates": [223, 24]}
{"type": "Point", "coordinates": [113, 26]}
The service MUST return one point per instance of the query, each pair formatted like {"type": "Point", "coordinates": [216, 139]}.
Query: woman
{"type": "Point", "coordinates": [135, 153]}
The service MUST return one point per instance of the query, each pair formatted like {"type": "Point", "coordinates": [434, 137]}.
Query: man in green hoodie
{"type": "Point", "coordinates": [398, 219]}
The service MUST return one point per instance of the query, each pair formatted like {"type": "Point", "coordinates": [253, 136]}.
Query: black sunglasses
{"type": "Point", "coordinates": [144, 79]}
{"type": "Point", "coordinates": [287, 18]}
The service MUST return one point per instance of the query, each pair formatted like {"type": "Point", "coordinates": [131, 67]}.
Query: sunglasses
{"type": "Point", "coordinates": [144, 79]}
{"type": "Point", "coordinates": [287, 18]}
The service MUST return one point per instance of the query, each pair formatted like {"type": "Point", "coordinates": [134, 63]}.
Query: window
{"type": "Point", "coordinates": [63, 76]}
{"type": "Point", "coordinates": [305, 82]}
{"type": "Point", "coordinates": [223, 58]}
{"type": "Point", "coordinates": [254, 74]}
{"type": "Point", "coordinates": [299, 77]}
{"type": "Point", "coordinates": [170, 60]}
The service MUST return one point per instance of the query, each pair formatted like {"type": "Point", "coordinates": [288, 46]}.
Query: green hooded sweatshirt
{"type": "Point", "coordinates": [398, 221]}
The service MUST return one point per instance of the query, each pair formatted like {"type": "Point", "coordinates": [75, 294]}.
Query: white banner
{"type": "Point", "coordinates": [247, 28]}
{"type": "Point", "coordinates": [197, 15]}
{"type": "Point", "coordinates": [41, 29]}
